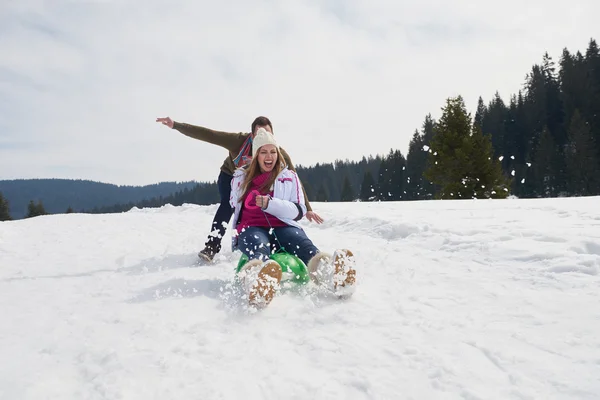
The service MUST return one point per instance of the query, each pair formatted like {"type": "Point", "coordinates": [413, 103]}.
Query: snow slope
{"type": "Point", "coordinates": [456, 300]}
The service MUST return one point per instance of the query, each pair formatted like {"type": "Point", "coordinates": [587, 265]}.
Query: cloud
{"type": "Point", "coordinates": [85, 80]}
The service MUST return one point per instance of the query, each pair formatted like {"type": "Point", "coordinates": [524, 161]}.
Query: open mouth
{"type": "Point", "coordinates": [268, 164]}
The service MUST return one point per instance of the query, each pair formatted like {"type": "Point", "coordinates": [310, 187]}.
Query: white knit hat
{"type": "Point", "coordinates": [262, 138]}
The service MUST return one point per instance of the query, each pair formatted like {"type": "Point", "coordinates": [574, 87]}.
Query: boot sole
{"type": "Point", "coordinates": [339, 262]}
{"type": "Point", "coordinates": [205, 258]}
{"type": "Point", "coordinates": [266, 284]}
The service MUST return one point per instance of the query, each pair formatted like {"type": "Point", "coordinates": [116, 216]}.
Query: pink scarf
{"type": "Point", "coordinates": [255, 185]}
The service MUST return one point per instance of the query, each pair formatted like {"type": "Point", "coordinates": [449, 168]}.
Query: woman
{"type": "Point", "coordinates": [239, 146]}
{"type": "Point", "coordinates": [268, 202]}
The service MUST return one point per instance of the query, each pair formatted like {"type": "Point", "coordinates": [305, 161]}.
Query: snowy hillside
{"type": "Point", "coordinates": [455, 300]}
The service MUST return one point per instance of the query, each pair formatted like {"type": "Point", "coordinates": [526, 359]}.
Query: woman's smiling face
{"type": "Point", "coordinates": [267, 157]}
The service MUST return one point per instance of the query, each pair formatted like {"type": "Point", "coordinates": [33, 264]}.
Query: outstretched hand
{"type": "Point", "coordinates": [314, 217]}
{"type": "Point", "coordinates": [166, 121]}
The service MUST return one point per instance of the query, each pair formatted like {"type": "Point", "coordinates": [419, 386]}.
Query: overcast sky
{"type": "Point", "coordinates": [82, 82]}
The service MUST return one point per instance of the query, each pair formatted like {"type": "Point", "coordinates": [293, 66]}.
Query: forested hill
{"type": "Point", "coordinates": [59, 194]}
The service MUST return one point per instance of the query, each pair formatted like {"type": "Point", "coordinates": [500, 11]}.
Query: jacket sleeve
{"type": "Point", "coordinates": [291, 208]}
{"type": "Point", "coordinates": [291, 167]}
{"type": "Point", "coordinates": [230, 141]}
{"type": "Point", "coordinates": [236, 184]}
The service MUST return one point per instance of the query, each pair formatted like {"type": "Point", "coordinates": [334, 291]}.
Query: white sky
{"type": "Point", "coordinates": [82, 82]}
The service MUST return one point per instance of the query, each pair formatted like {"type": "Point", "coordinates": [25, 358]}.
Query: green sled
{"type": "Point", "coordinates": [294, 270]}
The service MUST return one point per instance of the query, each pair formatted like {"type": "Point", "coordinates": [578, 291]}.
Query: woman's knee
{"type": "Point", "coordinates": [307, 251]}
{"type": "Point", "coordinates": [304, 249]}
{"type": "Point", "coordinates": [255, 244]}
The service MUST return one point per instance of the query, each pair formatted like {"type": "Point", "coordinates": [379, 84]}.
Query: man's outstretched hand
{"type": "Point", "coordinates": [166, 121]}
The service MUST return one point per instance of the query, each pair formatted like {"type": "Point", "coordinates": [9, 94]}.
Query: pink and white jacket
{"type": "Point", "coordinates": [287, 202]}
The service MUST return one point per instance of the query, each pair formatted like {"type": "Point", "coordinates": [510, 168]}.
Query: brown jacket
{"type": "Point", "coordinates": [232, 142]}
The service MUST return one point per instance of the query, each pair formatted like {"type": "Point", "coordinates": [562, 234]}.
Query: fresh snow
{"type": "Point", "coordinates": [472, 299]}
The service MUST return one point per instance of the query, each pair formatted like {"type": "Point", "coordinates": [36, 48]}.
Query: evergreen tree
{"type": "Point", "coordinates": [544, 166]}
{"type": "Point", "coordinates": [523, 130]}
{"type": "Point", "coordinates": [591, 108]}
{"type": "Point", "coordinates": [31, 210]}
{"type": "Point", "coordinates": [308, 189]}
{"type": "Point", "coordinates": [572, 80]}
{"type": "Point", "coordinates": [367, 188]}
{"type": "Point", "coordinates": [384, 181]}
{"type": "Point", "coordinates": [4, 209]}
{"type": "Point", "coordinates": [347, 192]}
{"type": "Point", "coordinates": [34, 210]}
{"type": "Point", "coordinates": [462, 162]}
{"type": "Point", "coordinates": [535, 102]}
{"type": "Point", "coordinates": [448, 160]}
{"type": "Point", "coordinates": [494, 124]}
{"type": "Point", "coordinates": [582, 161]}
{"type": "Point", "coordinates": [523, 183]}
{"type": "Point", "coordinates": [481, 113]}
{"type": "Point", "coordinates": [416, 160]}
{"type": "Point", "coordinates": [417, 187]}
{"type": "Point", "coordinates": [485, 178]}
{"type": "Point", "coordinates": [511, 132]}
{"type": "Point", "coordinates": [390, 183]}
{"type": "Point", "coordinates": [554, 105]}
{"type": "Point", "coordinates": [428, 129]}
{"type": "Point", "coordinates": [323, 193]}
{"type": "Point", "coordinates": [69, 210]}
{"type": "Point", "coordinates": [427, 188]}
{"type": "Point", "coordinates": [40, 210]}
{"type": "Point", "coordinates": [398, 177]}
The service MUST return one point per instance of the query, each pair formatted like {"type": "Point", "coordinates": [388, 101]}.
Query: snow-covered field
{"type": "Point", "coordinates": [455, 300]}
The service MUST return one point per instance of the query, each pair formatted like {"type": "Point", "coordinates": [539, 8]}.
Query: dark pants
{"type": "Point", "coordinates": [223, 215]}
{"type": "Point", "coordinates": [258, 242]}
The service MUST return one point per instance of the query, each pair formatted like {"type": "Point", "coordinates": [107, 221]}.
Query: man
{"type": "Point", "coordinates": [239, 146]}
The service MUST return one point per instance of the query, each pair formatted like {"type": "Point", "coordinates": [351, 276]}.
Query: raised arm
{"type": "Point", "coordinates": [230, 141]}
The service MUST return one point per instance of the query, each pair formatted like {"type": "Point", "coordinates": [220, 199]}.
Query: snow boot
{"type": "Point", "coordinates": [211, 248]}
{"type": "Point", "coordinates": [320, 268]}
{"type": "Point", "coordinates": [336, 273]}
{"type": "Point", "coordinates": [344, 277]}
{"type": "Point", "coordinates": [206, 255]}
{"type": "Point", "coordinates": [261, 281]}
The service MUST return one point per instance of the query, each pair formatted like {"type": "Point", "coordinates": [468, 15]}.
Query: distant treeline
{"type": "Point", "coordinates": [543, 142]}
{"type": "Point", "coordinates": [58, 195]}
{"type": "Point", "coordinates": [201, 193]}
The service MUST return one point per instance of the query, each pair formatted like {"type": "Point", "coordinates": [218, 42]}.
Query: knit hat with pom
{"type": "Point", "coordinates": [262, 138]}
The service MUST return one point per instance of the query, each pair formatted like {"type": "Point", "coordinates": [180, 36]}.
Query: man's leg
{"type": "Point", "coordinates": [221, 219]}
{"type": "Point", "coordinates": [295, 241]}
